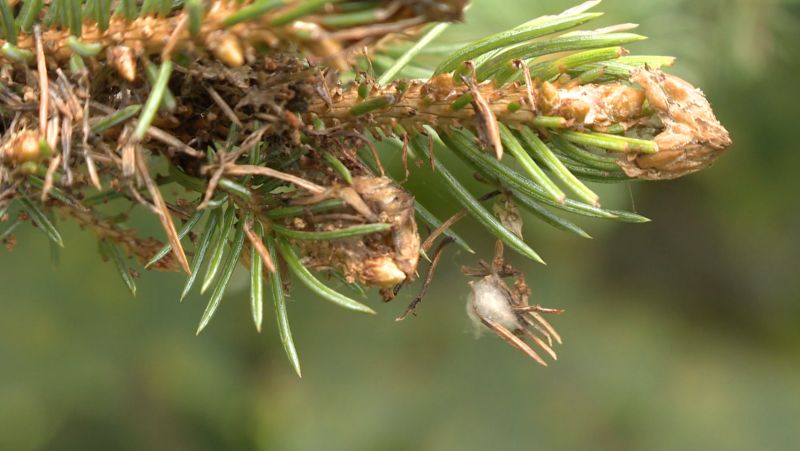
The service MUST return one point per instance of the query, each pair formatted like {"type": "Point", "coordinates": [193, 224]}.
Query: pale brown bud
{"type": "Point", "coordinates": [23, 147]}
{"type": "Point", "coordinates": [124, 60]}
{"type": "Point", "coordinates": [382, 272]}
{"type": "Point", "coordinates": [227, 48]}
{"type": "Point", "coordinates": [28, 147]}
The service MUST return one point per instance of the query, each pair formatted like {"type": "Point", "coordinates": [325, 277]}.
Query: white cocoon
{"type": "Point", "coordinates": [489, 301]}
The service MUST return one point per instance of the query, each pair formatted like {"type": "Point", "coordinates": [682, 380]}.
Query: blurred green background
{"type": "Point", "coordinates": [680, 334]}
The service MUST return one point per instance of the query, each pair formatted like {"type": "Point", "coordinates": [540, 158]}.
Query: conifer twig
{"type": "Point", "coordinates": [266, 120]}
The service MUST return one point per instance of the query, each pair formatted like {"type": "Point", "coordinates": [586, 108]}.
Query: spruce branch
{"type": "Point", "coordinates": [265, 119]}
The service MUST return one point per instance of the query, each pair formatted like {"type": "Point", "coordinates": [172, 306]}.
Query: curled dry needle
{"type": "Point", "coordinates": [240, 119]}
{"type": "Point", "coordinates": [437, 255]}
{"type": "Point", "coordinates": [485, 120]}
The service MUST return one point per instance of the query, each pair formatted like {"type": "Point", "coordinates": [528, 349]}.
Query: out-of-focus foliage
{"type": "Point", "coordinates": [680, 334]}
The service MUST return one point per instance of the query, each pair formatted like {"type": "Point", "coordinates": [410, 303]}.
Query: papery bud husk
{"type": "Point", "coordinates": [692, 137]}
{"type": "Point", "coordinates": [381, 259]}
